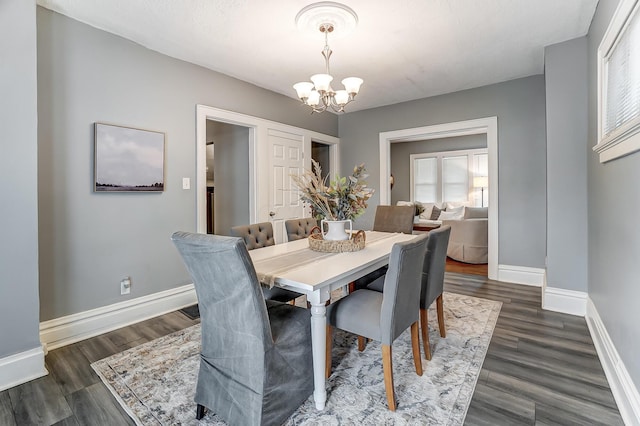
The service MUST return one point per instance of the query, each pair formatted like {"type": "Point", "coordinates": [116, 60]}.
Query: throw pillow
{"type": "Point", "coordinates": [428, 208]}
{"type": "Point", "coordinates": [455, 204]}
{"type": "Point", "coordinates": [435, 213]}
{"type": "Point", "coordinates": [447, 215]}
{"type": "Point", "coordinates": [419, 208]}
{"type": "Point", "coordinates": [459, 210]}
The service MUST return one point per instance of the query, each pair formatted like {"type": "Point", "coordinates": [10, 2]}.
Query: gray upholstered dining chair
{"type": "Point", "coordinates": [385, 316]}
{"type": "Point", "coordinates": [432, 283]}
{"type": "Point", "coordinates": [387, 219]}
{"type": "Point", "coordinates": [298, 229]}
{"type": "Point", "coordinates": [435, 263]}
{"type": "Point", "coordinates": [256, 361]}
{"type": "Point", "coordinates": [260, 235]}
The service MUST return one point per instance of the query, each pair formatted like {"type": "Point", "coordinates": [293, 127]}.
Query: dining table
{"type": "Point", "coordinates": [295, 266]}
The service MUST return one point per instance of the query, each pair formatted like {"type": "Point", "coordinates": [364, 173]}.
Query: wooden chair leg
{"type": "Point", "coordinates": [352, 287]}
{"type": "Point", "coordinates": [424, 326]}
{"type": "Point", "coordinates": [415, 345]}
{"type": "Point", "coordinates": [329, 343]}
{"type": "Point", "coordinates": [387, 367]}
{"type": "Point", "coordinates": [200, 410]}
{"type": "Point", "coordinates": [362, 343]}
{"type": "Point", "coordinates": [439, 305]}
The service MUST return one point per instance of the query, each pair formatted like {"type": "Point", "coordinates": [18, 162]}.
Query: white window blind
{"type": "Point", "coordinates": [455, 178]}
{"type": "Point", "coordinates": [448, 176]}
{"type": "Point", "coordinates": [426, 180]}
{"type": "Point", "coordinates": [619, 84]}
{"type": "Point", "coordinates": [623, 78]}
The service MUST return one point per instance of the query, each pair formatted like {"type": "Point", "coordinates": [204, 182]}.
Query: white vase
{"type": "Point", "coordinates": [336, 229]}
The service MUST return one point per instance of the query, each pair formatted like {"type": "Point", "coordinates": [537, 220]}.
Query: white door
{"type": "Point", "coordinates": [286, 159]}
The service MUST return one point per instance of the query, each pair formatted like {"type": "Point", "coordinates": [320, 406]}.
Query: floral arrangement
{"type": "Point", "coordinates": [344, 198]}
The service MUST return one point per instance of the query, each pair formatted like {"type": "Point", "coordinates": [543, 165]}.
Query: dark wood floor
{"type": "Point", "coordinates": [541, 369]}
{"type": "Point", "coordinates": [467, 268]}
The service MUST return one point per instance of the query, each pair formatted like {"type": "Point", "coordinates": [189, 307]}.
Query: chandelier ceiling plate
{"type": "Point", "coordinates": [341, 17]}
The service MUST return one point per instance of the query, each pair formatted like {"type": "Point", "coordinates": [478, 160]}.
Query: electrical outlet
{"type": "Point", "coordinates": [125, 286]}
{"type": "Point", "coordinates": [186, 183]}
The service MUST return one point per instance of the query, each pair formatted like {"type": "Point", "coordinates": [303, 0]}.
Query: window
{"type": "Point", "coordinates": [448, 176]}
{"type": "Point", "coordinates": [619, 84]}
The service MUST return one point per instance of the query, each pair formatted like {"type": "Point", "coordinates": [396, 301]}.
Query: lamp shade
{"type": "Point", "coordinates": [480, 181]}
{"type": "Point", "coordinates": [341, 97]}
{"type": "Point", "coordinates": [322, 82]}
{"type": "Point", "coordinates": [314, 98]}
{"type": "Point", "coordinates": [352, 84]}
{"type": "Point", "coordinates": [303, 89]}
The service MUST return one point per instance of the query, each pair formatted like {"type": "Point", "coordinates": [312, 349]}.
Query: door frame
{"type": "Point", "coordinates": [258, 128]}
{"type": "Point", "coordinates": [487, 126]}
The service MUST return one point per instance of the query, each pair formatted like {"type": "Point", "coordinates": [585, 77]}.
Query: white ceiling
{"type": "Point", "coordinates": [403, 50]}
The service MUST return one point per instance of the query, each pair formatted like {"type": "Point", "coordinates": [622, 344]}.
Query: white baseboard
{"type": "Point", "coordinates": [566, 301]}
{"type": "Point", "coordinates": [21, 368]}
{"type": "Point", "coordinates": [624, 390]}
{"type": "Point", "coordinates": [73, 328]}
{"type": "Point", "coordinates": [521, 275]}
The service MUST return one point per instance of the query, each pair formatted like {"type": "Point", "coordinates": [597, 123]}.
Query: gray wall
{"type": "Point", "coordinates": [232, 175]}
{"type": "Point", "coordinates": [566, 87]}
{"type": "Point", "coordinates": [88, 241]}
{"type": "Point", "coordinates": [614, 239]}
{"type": "Point", "coordinates": [520, 108]}
{"type": "Point", "coordinates": [401, 162]}
{"type": "Point", "coordinates": [19, 327]}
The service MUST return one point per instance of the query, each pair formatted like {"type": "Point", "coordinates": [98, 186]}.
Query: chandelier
{"type": "Point", "coordinates": [319, 95]}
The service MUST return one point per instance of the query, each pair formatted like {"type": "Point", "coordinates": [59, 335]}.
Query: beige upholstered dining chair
{"type": "Point", "coordinates": [385, 316]}
{"type": "Point", "coordinates": [394, 219]}
{"type": "Point", "coordinates": [260, 235]}
{"type": "Point", "coordinates": [300, 228]}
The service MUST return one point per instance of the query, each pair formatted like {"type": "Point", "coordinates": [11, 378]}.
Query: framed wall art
{"type": "Point", "coordinates": [128, 159]}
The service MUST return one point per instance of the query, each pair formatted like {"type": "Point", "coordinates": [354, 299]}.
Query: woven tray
{"type": "Point", "coordinates": [317, 243]}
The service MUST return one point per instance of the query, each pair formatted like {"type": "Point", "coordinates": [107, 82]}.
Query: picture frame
{"type": "Point", "coordinates": [128, 159]}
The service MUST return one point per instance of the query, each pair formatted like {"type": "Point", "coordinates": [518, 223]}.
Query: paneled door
{"type": "Point", "coordinates": [286, 159]}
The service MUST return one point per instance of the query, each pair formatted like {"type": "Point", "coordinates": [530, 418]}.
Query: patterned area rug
{"type": "Point", "coordinates": [155, 382]}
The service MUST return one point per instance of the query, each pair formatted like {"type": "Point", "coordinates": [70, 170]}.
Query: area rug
{"type": "Point", "coordinates": [155, 382]}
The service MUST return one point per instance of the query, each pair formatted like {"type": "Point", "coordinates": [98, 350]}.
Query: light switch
{"type": "Point", "coordinates": [186, 183]}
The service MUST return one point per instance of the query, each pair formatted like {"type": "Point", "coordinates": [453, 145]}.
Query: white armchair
{"type": "Point", "coordinates": [469, 240]}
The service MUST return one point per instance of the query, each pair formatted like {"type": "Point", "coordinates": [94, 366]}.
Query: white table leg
{"type": "Point", "coordinates": [319, 345]}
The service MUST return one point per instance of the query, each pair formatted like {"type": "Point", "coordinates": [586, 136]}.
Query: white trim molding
{"type": "Point", "coordinates": [487, 126]}
{"type": "Point", "coordinates": [21, 368]}
{"type": "Point", "coordinates": [259, 190]}
{"type": "Point", "coordinates": [624, 390]}
{"type": "Point", "coordinates": [521, 275]}
{"type": "Point", "coordinates": [566, 301]}
{"type": "Point", "coordinates": [83, 325]}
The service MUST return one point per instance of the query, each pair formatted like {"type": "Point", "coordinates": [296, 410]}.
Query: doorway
{"type": "Point", "coordinates": [321, 153]}
{"type": "Point", "coordinates": [227, 178]}
{"type": "Point", "coordinates": [487, 126]}
{"type": "Point", "coordinates": [258, 161]}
